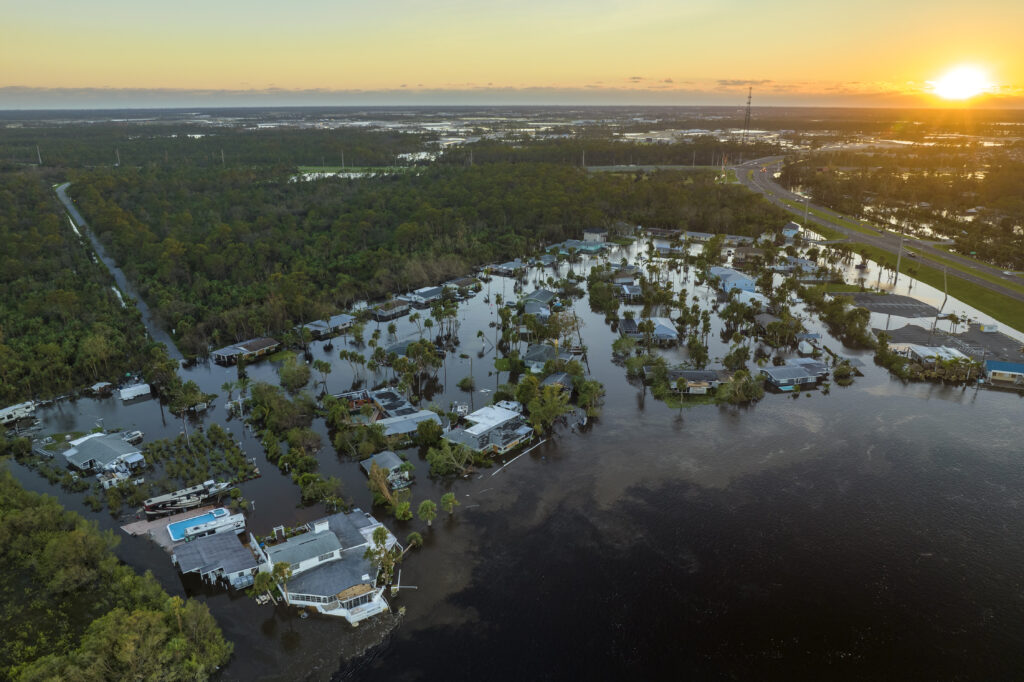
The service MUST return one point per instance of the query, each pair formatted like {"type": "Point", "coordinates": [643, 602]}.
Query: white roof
{"type": "Point", "coordinates": [940, 352]}
{"type": "Point", "coordinates": [135, 391]}
{"type": "Point", "coordinates": [486, 418]}
{"type": "Point", "coordinates": [749, 297]}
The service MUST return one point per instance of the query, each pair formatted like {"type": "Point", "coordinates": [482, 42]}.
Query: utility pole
{"type": "Point", "coordinates": [746, 123]}
{"type": "Point", "coordinates": [899, 255]}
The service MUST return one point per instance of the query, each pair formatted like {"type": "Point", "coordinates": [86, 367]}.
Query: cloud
{"type": "Point", "coordinates": [653, 93]}
{"type": "Point", "coordinates": [732, 83]}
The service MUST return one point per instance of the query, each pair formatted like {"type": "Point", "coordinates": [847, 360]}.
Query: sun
{"type": "Point", "coordinates": [960, 83]}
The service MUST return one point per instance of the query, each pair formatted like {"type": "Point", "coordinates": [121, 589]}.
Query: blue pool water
{"type": "Point", "coordinates": [177, 529]}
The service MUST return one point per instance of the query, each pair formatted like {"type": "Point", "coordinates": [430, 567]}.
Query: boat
{"type": "Point", "coordinates": [219, 520]}
{"type": "Point", "coordinates": [184, 499]}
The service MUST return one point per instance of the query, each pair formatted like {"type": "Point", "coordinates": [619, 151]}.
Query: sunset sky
{"type": "Point", "coordinates": [120, 53]}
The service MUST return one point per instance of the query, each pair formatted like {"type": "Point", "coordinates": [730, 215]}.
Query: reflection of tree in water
{"type": "Point", "coordinates": [431, 387]}
{"type": "Point", "coordinates": [291, 640]}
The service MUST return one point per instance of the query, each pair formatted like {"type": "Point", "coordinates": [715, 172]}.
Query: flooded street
{"type": "Point", "coordinates": [875, 529]}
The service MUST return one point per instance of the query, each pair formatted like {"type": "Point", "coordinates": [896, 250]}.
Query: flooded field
{"type": "Point", "coordinates": [829, 535]}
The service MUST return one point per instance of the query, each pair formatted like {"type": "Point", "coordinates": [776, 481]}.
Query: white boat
{"type": "Point", "coordinates": [219, 520]}
{"type": "Point", "coordinates": [11, 414]}
{"type": "Point", "coordinates": [184, 499]}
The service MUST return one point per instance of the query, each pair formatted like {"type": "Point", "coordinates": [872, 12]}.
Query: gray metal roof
{"type": "Point", "coordinates": [385, 460]}
{"type": "Point", "coordinates": [693, 374]}
{"type": "Point", "coordinates": [101, 449]}
{"type": "Point", "coordinates": [328, 579]}
{"type": "Point", "coordinates": [539, 352]}
{"type": "Point", "coordinates": [788, 372]}
{"type": "Point", "coordinates": [403, 424]}
{"type": "Point", "coordinates": [207, 554]}
{"type": "Point", "coordinates": [540, 295]}
{"type": "Point", "coordinates": [302, 547]}
{"type": "Point", "coordinates": [347, 527]}
{"type": "Point", "coordinates": [560, 378]}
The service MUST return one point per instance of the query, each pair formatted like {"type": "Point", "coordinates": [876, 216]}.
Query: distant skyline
{"type": "Point", "coordinates": [115, 53]}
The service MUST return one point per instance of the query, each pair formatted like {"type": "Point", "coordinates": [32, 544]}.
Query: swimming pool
{"type": "Point", "coordinates": [178, 528]}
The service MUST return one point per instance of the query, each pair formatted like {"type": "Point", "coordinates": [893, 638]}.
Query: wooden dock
{"type": "Point", "coordinates": [157, 528]}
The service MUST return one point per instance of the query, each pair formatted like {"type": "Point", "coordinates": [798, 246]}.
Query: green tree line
{"type": "Point", "coordinates": [226, 254]}
{"type": "Point", "coordinates": [61, 324]}
{"type": "Point", "coordinates": [71, 610]}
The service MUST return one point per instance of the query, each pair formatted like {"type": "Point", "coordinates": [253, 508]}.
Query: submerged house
{"type": "Point", "coordinates": [694, 381]}
{"type": "Point", "coordinates": [791, 376]}
{"type": "Point", "coordinates": [335, 324]}
{"type": "Point", "coordinates": [664, 333]}
{"type": "Point", "coordinates": [1005, 373]}
{"type": "Point", "coordinates": [492, 430]}
{"type": "Point", "coordinates": [425, 297]}
{"type": "Point", "coordinates": [246, 350]}
{"type": "Point", "coordinates": [330, 573]}
{"type": "Point", "coordinates": [730, 279]}
{"type": "Point", "coordinates": [538, 354]}
{"type": "Point", "coordinates": [390, 310]}
{"type": "Point", "coordinates": [102, 451]}
{"type": "Point", "coordinates": [219, 557]}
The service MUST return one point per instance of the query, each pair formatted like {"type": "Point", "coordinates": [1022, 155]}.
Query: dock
{"type": "Point", "coordinates": [157, 528]}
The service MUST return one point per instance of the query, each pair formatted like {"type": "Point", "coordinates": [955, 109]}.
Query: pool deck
{"type": "Point", "coordinates": [157, 528]}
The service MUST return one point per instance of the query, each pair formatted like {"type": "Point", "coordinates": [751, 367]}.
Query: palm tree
{"type": "Point", "coordinates": [449, 503]}
{"type": "Point", "coordinates": [263, 582]}
{"type": "Point", "coordinates": [282, 573]}
{"type": "Point", "coordinates": [427, 511]}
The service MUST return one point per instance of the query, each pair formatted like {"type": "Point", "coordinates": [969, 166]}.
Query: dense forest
{"type": "Point", "coordinates": [971, 194]}
{"type": "Point", "coordinates": [173, 143]}
{"type": "Point", "coordinates": [61, 324]}
{"type": "Point", "coordinates": [704, 150]}
{"type": "Point", "coordinates": [225, 254]}
{"type": "Point", "coordinates": [72, 611]}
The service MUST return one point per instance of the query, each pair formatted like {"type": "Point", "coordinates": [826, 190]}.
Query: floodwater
{"type": "Point", "coordinates": [876, 531]}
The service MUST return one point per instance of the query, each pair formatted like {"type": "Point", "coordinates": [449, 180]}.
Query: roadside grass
{"type": "Point", "coordinates": [1003, 308]}
{"type": "Point", "coordinates": [818, 213]}
{"type": "Point", "coordinates": [830, 233]}
{"type": "Point", "coordinates": [978, 273]}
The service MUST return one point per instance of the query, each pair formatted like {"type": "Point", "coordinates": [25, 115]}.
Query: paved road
{"type": "Point", "coordinates": [154, 329]}
{"type": "Point", "coordinates": [765, 184]}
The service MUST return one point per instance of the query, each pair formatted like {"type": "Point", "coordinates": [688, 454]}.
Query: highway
{"type": "Point", "coordinates": [764, 183]}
